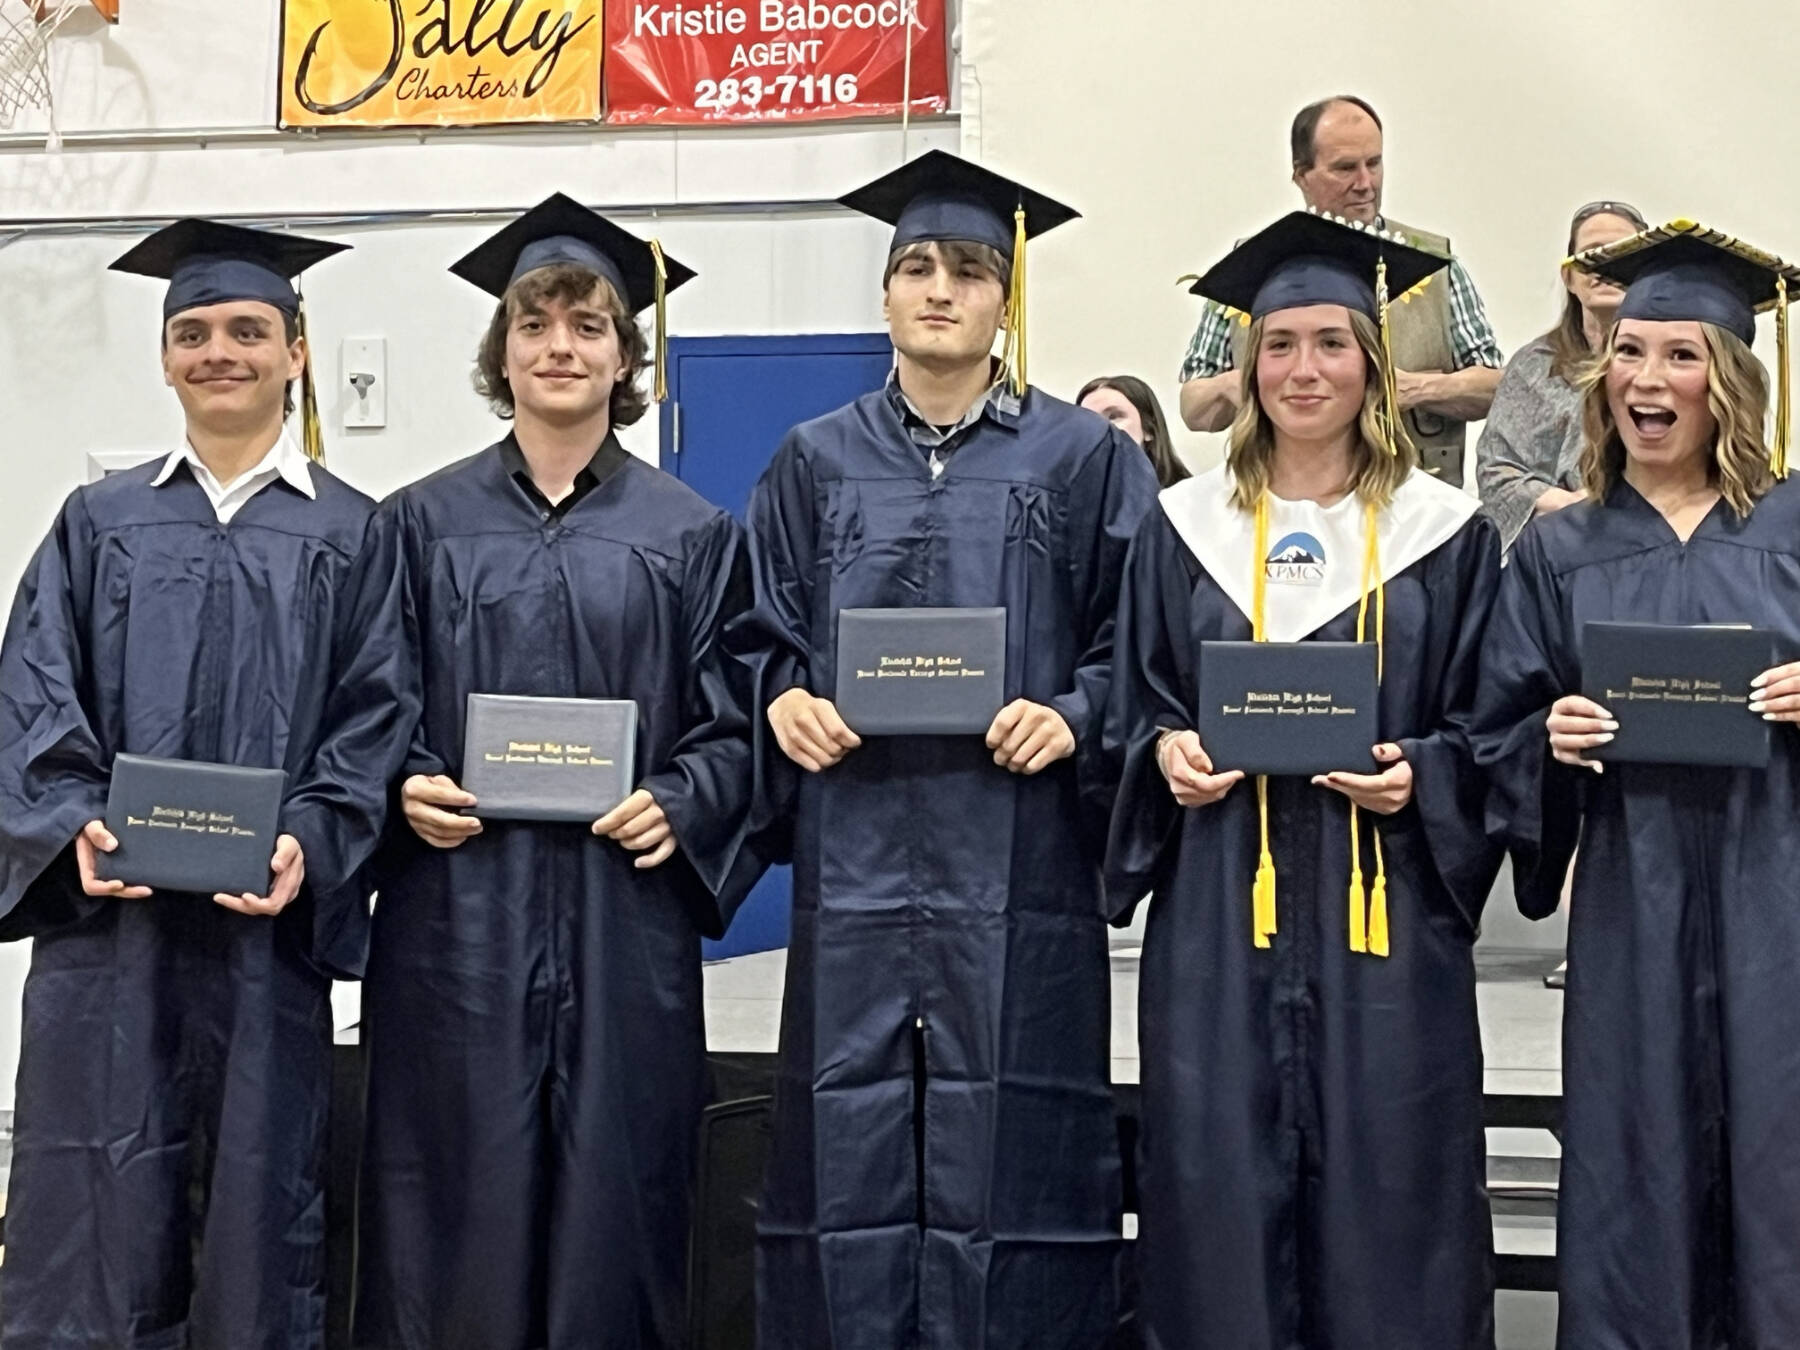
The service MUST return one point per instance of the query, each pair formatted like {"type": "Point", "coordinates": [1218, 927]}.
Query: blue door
{"type": "Point", "coordinates": [731, 400]}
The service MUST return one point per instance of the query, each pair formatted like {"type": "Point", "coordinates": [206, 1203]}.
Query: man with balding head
{"type": "Point", "coordinates": [1448, 361]}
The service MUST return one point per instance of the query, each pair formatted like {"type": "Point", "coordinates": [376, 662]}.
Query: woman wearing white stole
{"type": "Point", "coordinates": [1313, 1170]}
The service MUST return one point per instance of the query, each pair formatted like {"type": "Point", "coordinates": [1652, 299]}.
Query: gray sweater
{"type": "Point", "coordinates": [1532, 440]}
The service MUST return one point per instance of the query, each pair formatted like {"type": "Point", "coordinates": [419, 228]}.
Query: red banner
{"type": "Point", "coordinates": [772, 60]}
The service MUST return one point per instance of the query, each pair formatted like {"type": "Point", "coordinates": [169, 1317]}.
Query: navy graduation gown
{"type": "Point", "coordinates": [1678, 1224]}
{"type": "Point", "coordinates": [1312, 1150]}
{"type": "Point", "coordinates": [174, 1075]}
{"type": "Point", "coordinates": [945, 1169]}
{"type": "Point", "coordinates": [534, 1000]}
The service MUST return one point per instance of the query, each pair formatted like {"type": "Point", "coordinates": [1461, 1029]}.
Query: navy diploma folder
{"type": "Point", "coordinates": [1289, 707]}
{"type": "Point", "coordinates": [920, 672]}
{"type": "Point", "coordinates": [1680, 694]}
{"type": "Point", "coordinates": [184, 825]}
{"type": "Point", "coordinates": [553, 759]}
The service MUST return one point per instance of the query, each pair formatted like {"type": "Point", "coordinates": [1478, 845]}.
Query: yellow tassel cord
{"type": "Point", "coordinates": [1368, 911]}
{"type": "Point", "coordinates": [1390, 393]}
{"type": "Point", "coordinates": [1014, 351]}
{"type": "Point", "coordinates": [1262, 891]}
{"type": "Point", "coordinates": [1778, 458]}
{"type": "Point", "coordinates": [1369, 922]}
{"type": "Point", "coordinates": [312, 434]}
{"type": "Point", "coordinates": [661, 392]}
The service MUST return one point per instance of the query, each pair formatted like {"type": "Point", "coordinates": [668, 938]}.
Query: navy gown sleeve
{"type": "Point", "coordinates": [705, 789]}
{"type": "Point", "coordinates": [1533, 802]}
{"type": "Point", "coordinates": [1449, 791]}
{"type": "Point", "coordinates": [1107, 503]}
{"type": "Point", "coordinates": [53, 771]}
{"type": "Point", "coordinates": [338, 807]}
{"type": "Point", "coordinates": [775, 638]}
{"type": "Point", "coordinates": [1152, 691]}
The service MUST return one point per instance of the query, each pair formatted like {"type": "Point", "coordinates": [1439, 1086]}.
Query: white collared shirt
{"type": "Point", "coordinates": [285, 460]}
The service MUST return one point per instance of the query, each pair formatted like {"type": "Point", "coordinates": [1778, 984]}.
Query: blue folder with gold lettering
{"type": "Point", "coordinates": [920, 671]}
{"type": "Point", "coordinates": [184, 825]}
{"type": "Point", "coordinates": [1289, 707]}
{"type": "Point", "coordinates": [554, 759]}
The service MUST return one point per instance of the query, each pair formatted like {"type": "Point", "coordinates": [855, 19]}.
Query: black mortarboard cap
{"type": "Point", "coordinates": [1685, 271]}
{"type": "Point", "coordinates": [560, 229]}
{"type": "Point", "coordinates": [939, 197]}
{"type": "Point", "coordinates": [206, 262]}
{"type": "Point", "coordinates": [1310, 259]}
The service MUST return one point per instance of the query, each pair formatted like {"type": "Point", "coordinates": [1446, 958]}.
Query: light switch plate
{"type": "Point", "coordinates": [364, 390]}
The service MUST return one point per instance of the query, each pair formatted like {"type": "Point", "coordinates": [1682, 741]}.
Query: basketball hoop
{"type": "Point", "coordinates": [26, 27]}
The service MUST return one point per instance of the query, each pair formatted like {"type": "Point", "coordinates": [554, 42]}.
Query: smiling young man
{"type": "Point", "coordinates": [231, 603]}
{"type": "Point", "coordinates": [534, 999]}
{"type": "Point", "coordinates": [945, 1170]}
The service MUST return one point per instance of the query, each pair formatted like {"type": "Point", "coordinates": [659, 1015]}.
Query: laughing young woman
{"type": "Point", "coordinates": [1681, 1163]}
{"type": "Point", "coordinates": [1313, 1147]}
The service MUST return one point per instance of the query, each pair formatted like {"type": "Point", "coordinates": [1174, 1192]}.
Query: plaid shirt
{"type": "Point", "coordinates": [1471, 336]}
{"type": "Point", "coordinates": [939, 444]}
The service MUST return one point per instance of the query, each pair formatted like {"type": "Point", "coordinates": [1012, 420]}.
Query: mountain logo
{"type": "Point", "coordinates": [1296, 560]}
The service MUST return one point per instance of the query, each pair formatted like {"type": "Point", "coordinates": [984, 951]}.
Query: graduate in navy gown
{"type": "Point", "coordinates": [1678, 1223]}
{"type": "Point", "coordinates": [232, 603]}
{"type": "Point", "coordinates": [534, 1000]}
{"type": "Point", "coordinates": [1313, 1156]}
{"type": "Point", "coordinates": [945, 1169]}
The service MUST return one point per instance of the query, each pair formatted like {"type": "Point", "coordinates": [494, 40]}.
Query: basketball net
{"type": "Point", "coordinates": [26, 27]}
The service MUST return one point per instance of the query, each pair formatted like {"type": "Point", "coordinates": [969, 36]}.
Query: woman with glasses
{"type": "Point", "coordinates": [1527, 462]}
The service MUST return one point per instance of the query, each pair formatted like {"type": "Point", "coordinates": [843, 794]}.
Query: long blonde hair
{"type": "Point", "coordinates": [1375, 475]}
{"type": "Point", "coordinates": [1737, 392]}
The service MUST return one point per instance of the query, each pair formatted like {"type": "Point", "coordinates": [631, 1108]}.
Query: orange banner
{"type": "Point", "coordinates": [384, 63]}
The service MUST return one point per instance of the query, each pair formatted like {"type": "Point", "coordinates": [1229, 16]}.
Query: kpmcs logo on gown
{"type": "Point", "coordinates": [1296, 560]}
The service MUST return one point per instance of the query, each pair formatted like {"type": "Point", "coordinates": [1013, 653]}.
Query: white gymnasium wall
{"type": "Point", "coordinates": [1166, 122]}
{"type": "Point", "coordinates": [170, 114]}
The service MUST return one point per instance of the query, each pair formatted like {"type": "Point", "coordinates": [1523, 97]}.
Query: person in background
{"type": "Point", "coordinates": [1447, 361]}
{"type": "Point", "coordinates": [1131, 406]}
{"type": "Point", "coordinates": [1528, 461]}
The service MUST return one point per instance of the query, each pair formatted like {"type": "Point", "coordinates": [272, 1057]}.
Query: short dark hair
{"type": "Point", "coordinates": [955, 252]}
{"type": "Point", "coordinates": [290, 330]}
{"type": "Point", "coordinates": [1303, 139]}
{"type": "Point", "coordinates": [572, 284]}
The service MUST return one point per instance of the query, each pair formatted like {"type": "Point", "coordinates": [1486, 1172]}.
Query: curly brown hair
{"type": "Point", "coordinates": [1737, 392]}
{"type": "Point", "coordinates": [571, 284]}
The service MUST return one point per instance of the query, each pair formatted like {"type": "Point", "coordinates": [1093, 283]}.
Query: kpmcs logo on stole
{"type": "Point", "coordinates": [1297, 559]}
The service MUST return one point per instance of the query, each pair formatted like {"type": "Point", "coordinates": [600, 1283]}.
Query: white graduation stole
{"type": "Point", "coordinates": [1291, 568]}
{"type": "Point", "coordinates": [1313, 569]}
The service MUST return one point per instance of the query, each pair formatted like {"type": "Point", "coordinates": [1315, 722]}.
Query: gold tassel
{"type": "Point", "coordinates": [1015, 308]}
{"type": "Point", "coordinates": [312, 434]}
{"type": "Point", "coordinates": [1369, 927]}
{"type": "Point", "coordinates": [1378, 914]}
{"type": "Point", "coordinates": [1778, 458]}
{"type": "Point", "coordinates": [1262, 890]}
{"type": "Point", "coordinates": [1390, 394]}
{"type": "Point", "coordinates": [661, 391]}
